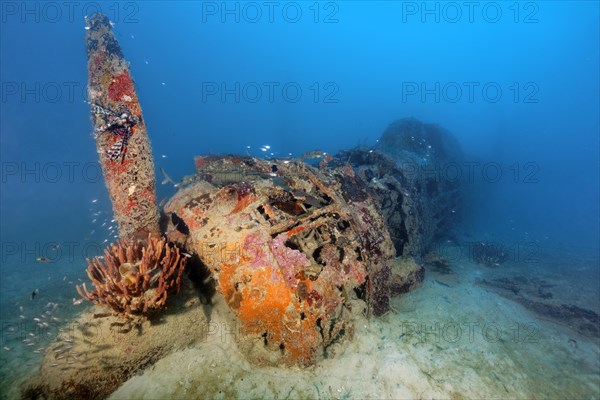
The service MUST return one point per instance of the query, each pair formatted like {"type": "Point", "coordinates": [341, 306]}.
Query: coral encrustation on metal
{"type": "Point", "coordinates": [295, 257]}
{"type": "Point", "coordinates": [121, 138]}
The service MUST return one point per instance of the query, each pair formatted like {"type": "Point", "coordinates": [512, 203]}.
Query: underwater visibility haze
{"type": "Point", "coordinates": [336, 199]}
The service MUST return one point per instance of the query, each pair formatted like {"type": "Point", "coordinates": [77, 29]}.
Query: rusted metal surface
{"type": "Point", "coordinates": [299, 252]}
{"type": "Point", "coordinates": [415, 173]}
{"type": "Point", "coordinates": [121, 138]}
{"type": "Point", "coordinates": [296, 257]}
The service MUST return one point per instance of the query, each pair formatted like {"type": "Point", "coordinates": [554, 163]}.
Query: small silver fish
{"type": "Point", "coordinates": [171, 229]}
{"type": "Point", "coordinates": [167, 178]}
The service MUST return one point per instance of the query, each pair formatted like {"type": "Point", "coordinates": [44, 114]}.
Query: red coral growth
{"type": "Point", "coordinates": [130, 205]}
{"type": "Point", "coordinates": [120, 86]}
{"type": "Point", "coordinates": [135, 277]}
{"type": "Point", "coordinates": [115, 169]}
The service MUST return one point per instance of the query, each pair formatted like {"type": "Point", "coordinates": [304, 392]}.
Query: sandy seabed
{"type": "Point", "coordinates": [449, 339]}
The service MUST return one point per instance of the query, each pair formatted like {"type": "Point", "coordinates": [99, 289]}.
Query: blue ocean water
{"type": "Point", "coordinates": [517, 83]}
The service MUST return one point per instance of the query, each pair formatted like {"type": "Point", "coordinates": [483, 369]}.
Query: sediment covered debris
{"type": "Point", "coordinates": [415, 173]}
{"type": "Point", "coordinates": [539, 297]}
{"type": "Point", "coordinates": [299, 251]}
{"type": "Point", "coordinates": [295, 256]}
